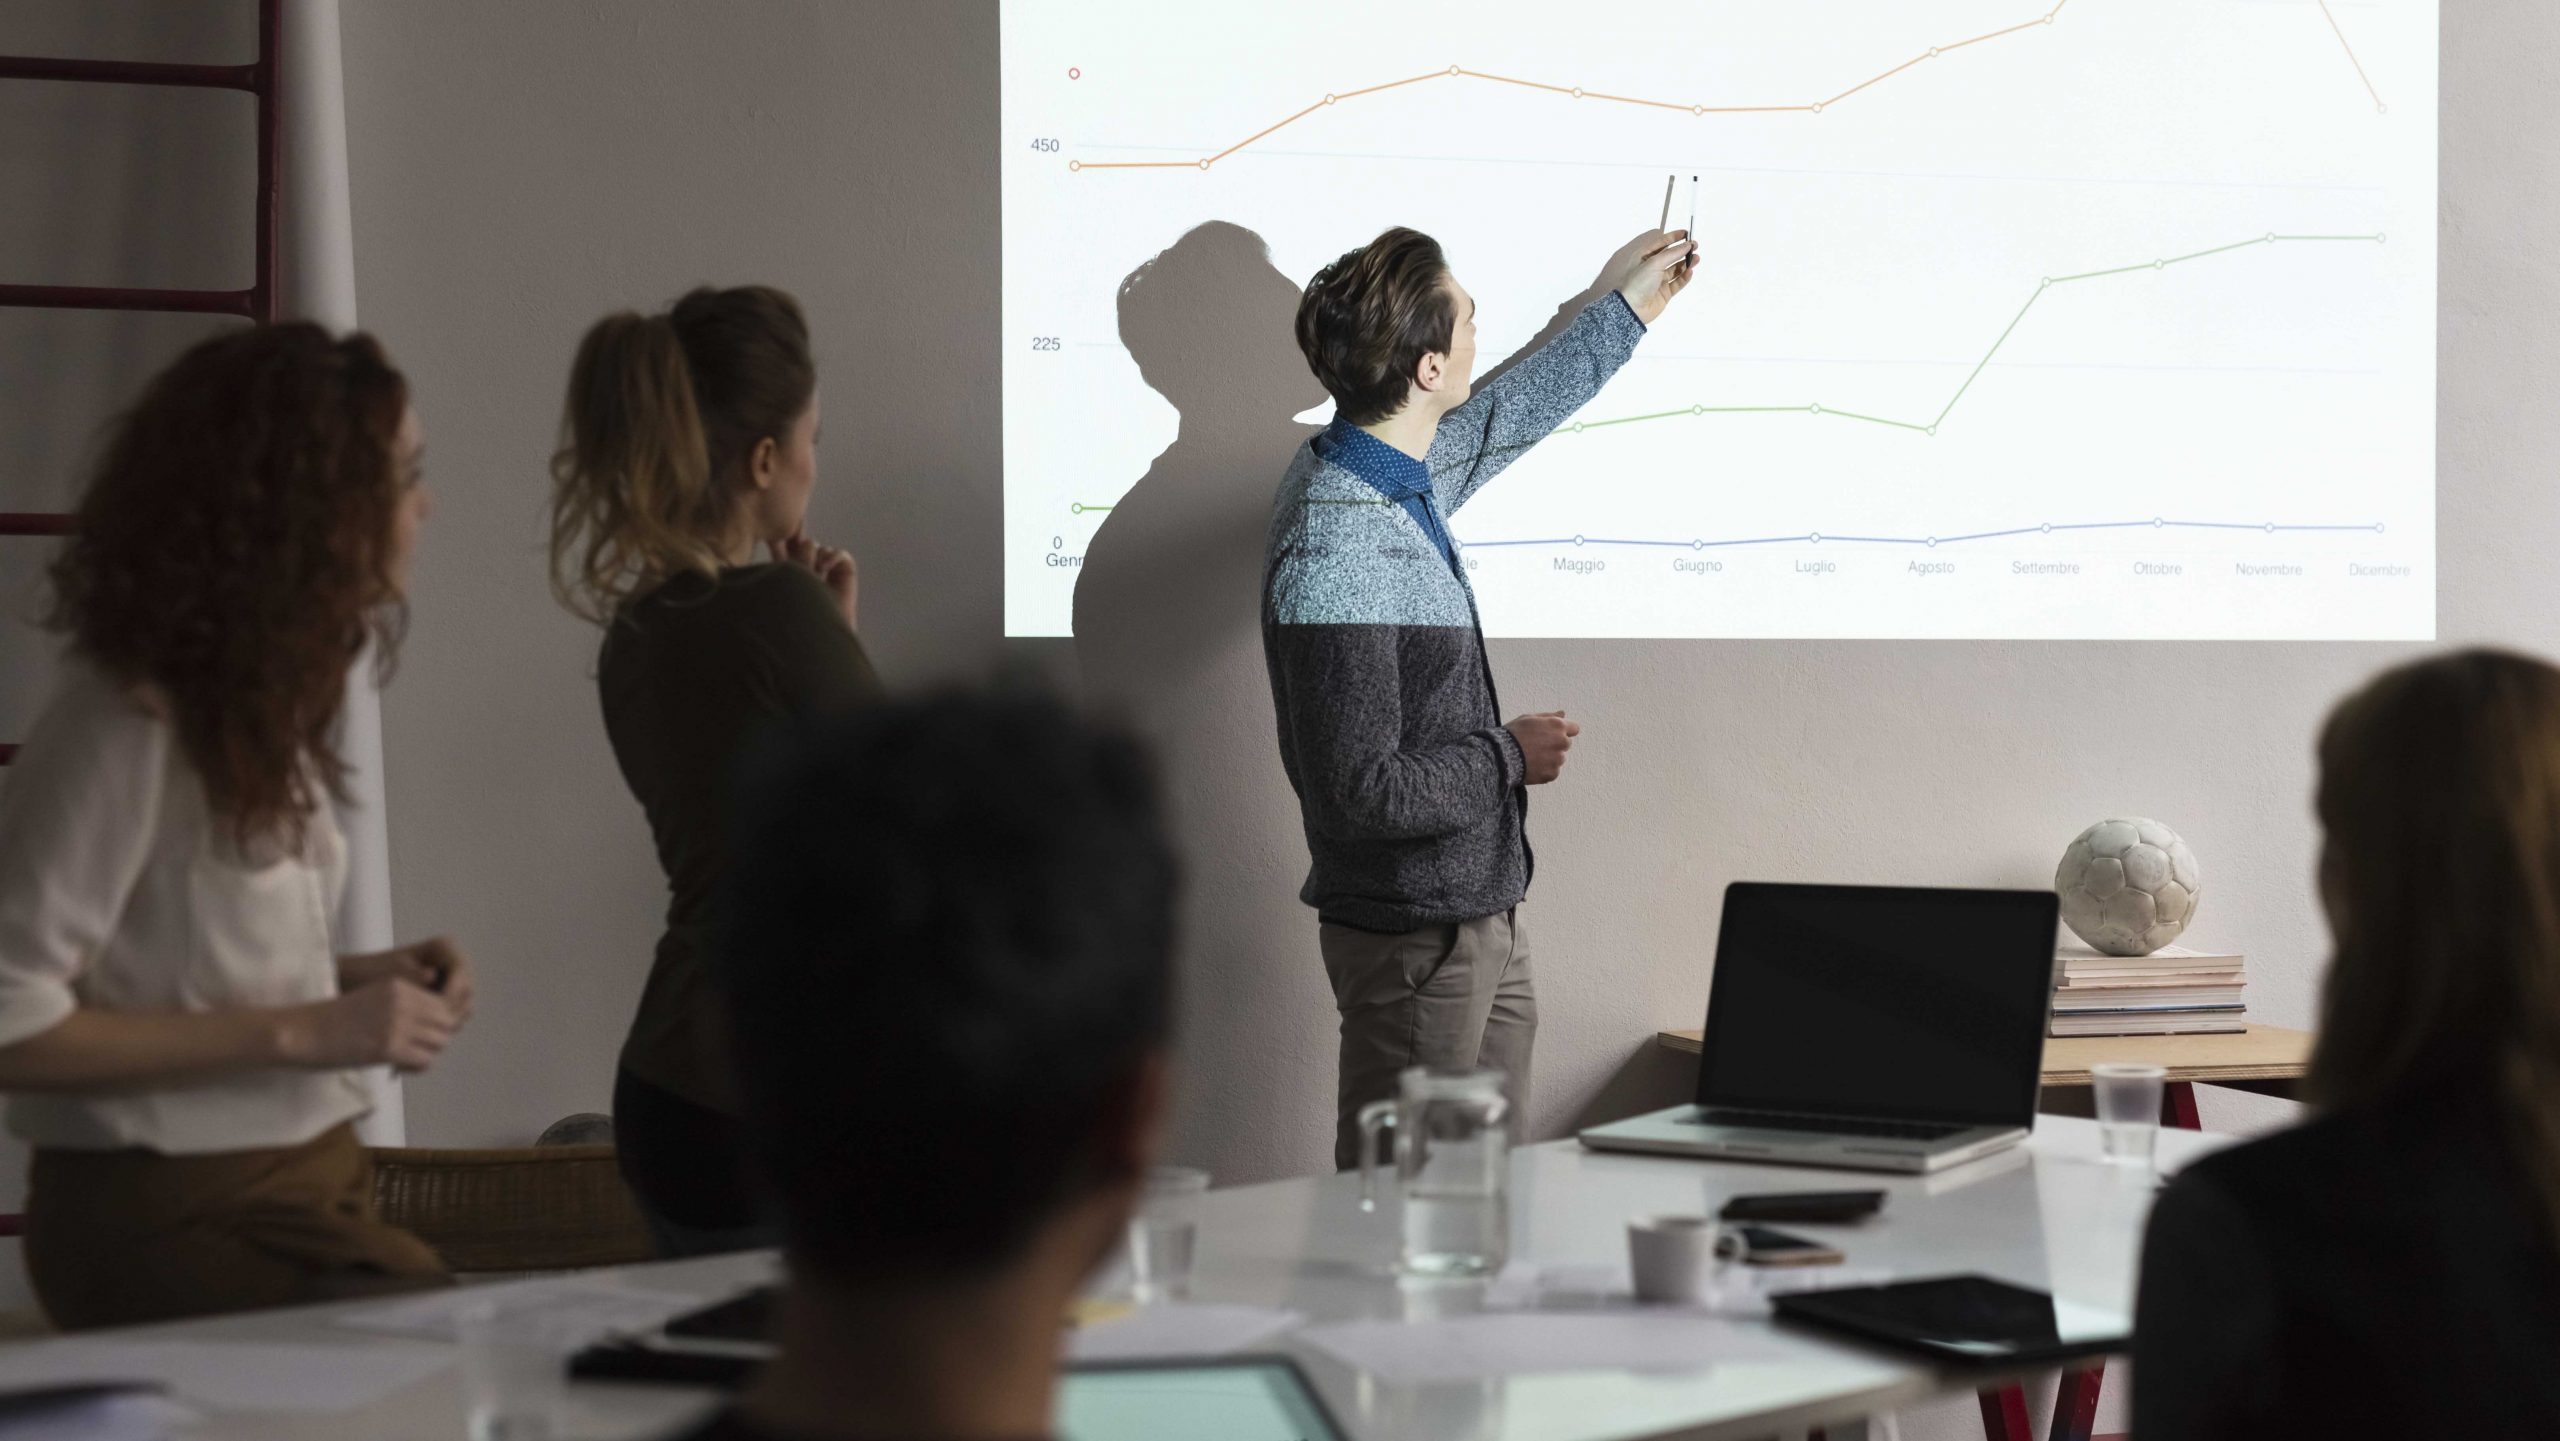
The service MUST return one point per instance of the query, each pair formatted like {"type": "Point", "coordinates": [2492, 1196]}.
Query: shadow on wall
{"type": "Point", "coordinates": [1173, 576]}
{"type": "Point", "coordinates": [1168, 635]}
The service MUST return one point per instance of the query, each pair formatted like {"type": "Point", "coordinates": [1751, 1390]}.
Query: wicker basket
{"type": "Point", "coordinates": [552, 1208]}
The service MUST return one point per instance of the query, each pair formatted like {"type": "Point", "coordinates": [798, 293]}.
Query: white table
{"type": "Point", "coordinates": [2049, 1215]}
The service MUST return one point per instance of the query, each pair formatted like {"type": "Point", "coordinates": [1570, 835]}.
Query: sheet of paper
{"type": "Point", "coordinates": [1180, 1329]}
{"type": "Point", "coordinates": [234, 1375]}
{"type": "Point", "coordinates": [1469, 1348]}
{"type": "Point", "coordinates": [577, 1311]}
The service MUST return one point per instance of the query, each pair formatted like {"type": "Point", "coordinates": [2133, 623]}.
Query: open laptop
{"type": "Point", "coordinates": [1878, 1028]}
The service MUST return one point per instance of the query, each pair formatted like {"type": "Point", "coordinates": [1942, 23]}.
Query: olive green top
{"type": "Point", "coordinates": [692, 672]}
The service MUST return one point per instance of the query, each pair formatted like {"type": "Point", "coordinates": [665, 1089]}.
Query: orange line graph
{"type": "Point", "coordinates": [1460, 72]}
{"type": "Point", "coordinates": [2352, 60]}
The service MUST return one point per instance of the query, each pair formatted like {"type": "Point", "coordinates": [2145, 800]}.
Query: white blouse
{"type": "Point", "coordinates": [120, 891]}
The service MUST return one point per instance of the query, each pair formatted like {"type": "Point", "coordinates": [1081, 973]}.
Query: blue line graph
{"type": "Point", "coordinates": [1931, 542]}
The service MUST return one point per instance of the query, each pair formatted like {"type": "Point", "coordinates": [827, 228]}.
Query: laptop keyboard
{"type": "Point", "coordinates": [1828, 1125]}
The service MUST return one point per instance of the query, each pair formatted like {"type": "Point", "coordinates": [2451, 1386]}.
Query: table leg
{"type": "Point", "coordinates": [2004, 1413]}
{"type": "Point", "coordinates": [2075, 1403]}
{"type": "Point", "coordinates": [2178, 1106]}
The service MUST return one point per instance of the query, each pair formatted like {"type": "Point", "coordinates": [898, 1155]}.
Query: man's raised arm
{"type": "Point", "coordinates": [1524, 405]}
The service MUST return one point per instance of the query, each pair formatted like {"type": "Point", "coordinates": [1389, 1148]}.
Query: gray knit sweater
{"type": "Point", "coordinates": [1410, 789]}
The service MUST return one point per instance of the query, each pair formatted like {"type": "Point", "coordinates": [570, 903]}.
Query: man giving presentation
{"type": "Point", "coordinates": [1412, 789]}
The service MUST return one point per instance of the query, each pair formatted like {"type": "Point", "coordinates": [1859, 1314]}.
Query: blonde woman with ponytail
{"type": "Point", "coordinates": [689, 450]}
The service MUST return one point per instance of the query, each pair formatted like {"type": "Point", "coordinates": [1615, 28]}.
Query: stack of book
{"type": "Point", "coordinates": [2173, 990]}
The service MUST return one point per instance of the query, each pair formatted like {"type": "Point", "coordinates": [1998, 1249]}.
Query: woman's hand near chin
{"type": "Point", "coordinates": [836, 568]}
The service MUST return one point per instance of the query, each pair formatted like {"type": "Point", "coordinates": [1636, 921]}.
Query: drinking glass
{"type": "Point", "coordinates": [2128, 1096]}
{"type": "Point", "coordinates": [1165, 1233]}
{"type": "Point", "coordinates": [515, 1368]}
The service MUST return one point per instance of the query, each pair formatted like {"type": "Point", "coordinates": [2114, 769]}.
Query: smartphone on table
{"type": "Point", "coordinates": [1810, 1207]}
{"type": "Point", "coordinates": [1761, 1246]}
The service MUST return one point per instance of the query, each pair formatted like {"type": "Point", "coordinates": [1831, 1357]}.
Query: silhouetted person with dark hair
{"type": "Point", "coordinates": [948, 957]}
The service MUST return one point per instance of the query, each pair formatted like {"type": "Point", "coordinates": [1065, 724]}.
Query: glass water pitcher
{"type": "Point", "coordinates": [1453, 1169]}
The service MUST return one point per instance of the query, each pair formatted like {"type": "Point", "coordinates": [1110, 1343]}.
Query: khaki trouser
{"type": "Point", "coordinates": [1453, 996]}
{"type": "Point", "coordinates": [115, 1238]}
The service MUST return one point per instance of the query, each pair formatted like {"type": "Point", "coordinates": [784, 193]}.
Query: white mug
{"type": "Point", "coordinates": [1673, 1257]}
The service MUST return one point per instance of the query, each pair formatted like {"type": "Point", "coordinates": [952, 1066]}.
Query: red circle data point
{"type": "Point", "coordinates": [1074, 74]}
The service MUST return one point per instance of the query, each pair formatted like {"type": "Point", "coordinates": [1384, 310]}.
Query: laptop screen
{"type": "Point", "coordinates": [1880, 1001]}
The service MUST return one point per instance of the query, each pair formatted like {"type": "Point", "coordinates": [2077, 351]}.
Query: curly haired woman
{"type": "Point", "coordinates": [180, 1040]}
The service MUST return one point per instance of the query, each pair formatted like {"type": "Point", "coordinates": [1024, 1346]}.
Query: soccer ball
{"type": "Point", "coordinates": [2128, 887]}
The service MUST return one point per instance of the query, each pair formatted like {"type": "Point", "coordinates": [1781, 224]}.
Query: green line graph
{"type": "Point", "coordinates": [1924, 427]}
{"type": "Point", "coordinates": [1930, 426]}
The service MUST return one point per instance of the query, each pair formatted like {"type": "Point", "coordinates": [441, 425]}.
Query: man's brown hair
{"type": "Point", "coordinates": [1367, 320]}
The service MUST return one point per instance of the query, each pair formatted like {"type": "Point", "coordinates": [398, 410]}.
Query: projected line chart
{"type": "Point", "coordinates": [2017, 318]}
{"type": "Point", "coordinates": [1692, 108]}
{"type": "Point", "coordinates": [1934, 423]}
{"type": "Point", "coordinates": [1930, 426]}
